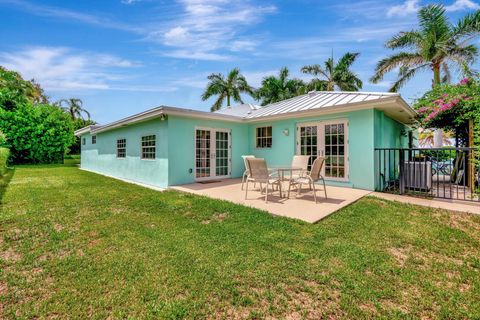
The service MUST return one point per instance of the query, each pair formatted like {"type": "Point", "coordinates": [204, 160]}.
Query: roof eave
{"type": "Point", "coordinates": [165, 110]}
{"type": "Point", "coordinates": [338, 109]}
{"type": "Point", "coordinates": [81, 131]}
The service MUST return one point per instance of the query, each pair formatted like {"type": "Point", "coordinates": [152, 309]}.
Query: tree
{"type": "Point", "coordinates": [279, 88]}
{"type": "Point", "coordinates": [37, 134]}
{"type": "Point", "coordinates": [450, 107]}
{"type": "Point", "coordinates": [14, 90]}
{"type": "Point", "coordinates": [436, 45]}
{"type": "Point", "coordinates": [228, 88]}
{"type": "Point", "coordinates": [335, 75]}
{"type": "Point", "coordinates": [74, 107]}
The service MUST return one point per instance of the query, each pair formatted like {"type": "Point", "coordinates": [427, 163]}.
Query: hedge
{"type": "Point", "coordinates": [4, 153]}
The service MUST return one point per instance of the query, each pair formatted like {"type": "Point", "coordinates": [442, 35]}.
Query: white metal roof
{"type": "Point", "coordinates": [242, 110]}
{"type": "Point", "coordinates": [313, 100]}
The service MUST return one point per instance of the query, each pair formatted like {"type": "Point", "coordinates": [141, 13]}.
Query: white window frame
{"type": "Point", "coordinates": [265, 137]}
{"type": "Point", "coordinates": [321, 143]}
{"type": "Point", "coordinates": [94, 139]}
{"type": "Point", "coordinates": [154, 146]}
{"type": "Point", "coordinates": [125, 148]}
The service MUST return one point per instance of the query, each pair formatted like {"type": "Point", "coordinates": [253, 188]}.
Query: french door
{"type": "Point", "coordinates": [329, 140]}
{"type": "Point", "coordinates": [212, 153]}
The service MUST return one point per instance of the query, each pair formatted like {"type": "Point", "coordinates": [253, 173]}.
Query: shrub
{"type": "Point", "coordinates": [37, 134]}
{"type": "Point", "coordinates": [4, 153]}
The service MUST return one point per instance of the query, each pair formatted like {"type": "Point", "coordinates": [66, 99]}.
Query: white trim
{"type": "Point", "coordinates": [255, 137]}
{"type": "Point", "coordinates": [141, 147]}
{"type": "Point", "coordinates": [321, 143]}
{"type": "Point", "coordinates": [116, 148]}
{"type": "Point", "coordinates": [213, 150]}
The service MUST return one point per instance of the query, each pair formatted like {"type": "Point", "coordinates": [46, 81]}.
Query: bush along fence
{"type": "Point", "coordinates": [4, 154]}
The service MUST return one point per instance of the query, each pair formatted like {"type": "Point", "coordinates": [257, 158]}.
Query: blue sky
{"type": "Point", "coordinates": [124, 56]}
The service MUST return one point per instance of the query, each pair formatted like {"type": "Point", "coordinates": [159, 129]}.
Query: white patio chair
{"type": "Point", "coordinates": [259, 173]}
{"type": "Point", "coordinates": [310, 178]}
{"type": "Point", "coordinates": [246, 173]}
{"type": "Point", "coordinates": [300, 162]}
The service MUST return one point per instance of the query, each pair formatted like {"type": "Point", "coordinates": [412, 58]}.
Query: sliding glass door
{"type": "Point", "coordinates": [329, 140]}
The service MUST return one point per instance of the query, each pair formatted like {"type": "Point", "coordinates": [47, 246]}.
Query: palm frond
{"type": "Point", "coordinates": [405, 74]}
{"type": "Point", "coordinates": [405, 39]}
{"type": "Point", "coordinates": [402, 59]}
{"type": "Point", "coordinates": [467, 26]}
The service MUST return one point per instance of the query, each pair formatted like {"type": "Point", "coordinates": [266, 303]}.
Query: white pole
{"type": "Point", "coordinates": [438, 138]}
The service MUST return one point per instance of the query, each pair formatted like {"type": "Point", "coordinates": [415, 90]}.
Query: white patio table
{"type": "Point", "coordinates": [281, 171]}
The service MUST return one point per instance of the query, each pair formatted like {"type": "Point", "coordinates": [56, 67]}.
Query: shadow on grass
{"type": "Point", "coordinates": [4, 182]}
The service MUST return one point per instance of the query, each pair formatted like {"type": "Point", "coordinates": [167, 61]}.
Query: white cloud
{"type": "Point", "coordinates": [59, 68]}
{"type": "Point", "coordinates": [207, 29]}
{"type": "Point", "coordinates": [49, 11]}
{"type": "Point", "coordinates": [460, 5]}
{"type": "Point", "coordinates": [404, 9]}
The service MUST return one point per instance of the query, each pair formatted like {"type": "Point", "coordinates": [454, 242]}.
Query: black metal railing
{"type": "Point", "coordinates": [448, 173]}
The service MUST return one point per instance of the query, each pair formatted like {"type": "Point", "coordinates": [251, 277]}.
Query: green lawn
{"type": "Point", "coordinates": [75, 244]}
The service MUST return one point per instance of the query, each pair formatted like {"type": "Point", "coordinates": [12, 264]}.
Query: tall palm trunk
{"type": "Point", "coordinates": [228, 100]}
{"type": "Point", "coordinates": [436, 74]}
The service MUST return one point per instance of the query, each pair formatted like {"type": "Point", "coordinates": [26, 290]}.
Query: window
{"type": "Point", "coordinates": [121, 148]}
{"type": "Point", "coordinates": [84, 141]}
{"type": "Point", "coordinates": [264, 137]}
{"type": "Point", "coordinates": [148, 147]}
{"type": "Point", "coordinates": [94, 139]}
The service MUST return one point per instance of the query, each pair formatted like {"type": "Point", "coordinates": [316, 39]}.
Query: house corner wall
{"type": "Point", "coordinates": [102, 156]}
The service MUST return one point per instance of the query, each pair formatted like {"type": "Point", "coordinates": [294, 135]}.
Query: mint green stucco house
{"type": "Point", "coordinates": [168, 146]}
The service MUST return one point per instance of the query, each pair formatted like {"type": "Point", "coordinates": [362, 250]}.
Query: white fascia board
{"type": "Point", "coordinates": [81, 131]}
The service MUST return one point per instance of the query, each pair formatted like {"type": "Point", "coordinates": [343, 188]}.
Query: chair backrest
{"type": "Point", "coordinates": [300, 162]}
{"type": "Point", "coordinates": [257, 168]}
{"type": "Point", "coordinates": [245, 160]}
{"type": "Point", "coordinates": [316, 170]}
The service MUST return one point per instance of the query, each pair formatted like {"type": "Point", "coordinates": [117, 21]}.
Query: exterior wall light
{"type": "Point", "coordinates": [286, 132]}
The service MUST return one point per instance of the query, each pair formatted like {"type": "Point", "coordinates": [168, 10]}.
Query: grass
{"type": "Point", "coordinates": [75, 244]}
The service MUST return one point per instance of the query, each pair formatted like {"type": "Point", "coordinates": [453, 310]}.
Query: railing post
{"type": "Point", "coordinates": [402, 171]}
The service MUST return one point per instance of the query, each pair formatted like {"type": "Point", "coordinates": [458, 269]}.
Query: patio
{"type": "Point", "coordinates": [302, 208]}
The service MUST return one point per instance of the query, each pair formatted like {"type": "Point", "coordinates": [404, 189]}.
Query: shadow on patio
{"type": "Point", "coordinates": [303, 207]}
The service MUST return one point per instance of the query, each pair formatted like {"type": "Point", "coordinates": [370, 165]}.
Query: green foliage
{"type": "Point", "coordinates": [334, 74]}
{"type": "Point", "coordinates": [226, 88]}
{"type": "Point", "coordinates": [436, 45]}
{"type": "Point", "coordinates": [15, 91]}
{"type": "Point", "coordinates": [275, 89]}
{"type": "Point", "coordinates": [39, 134]}
{"type": "Point", "coordinates": [4, 154]}
{"type": "Point", "coordinates": [450, 107]}
{"type": "Point", "coordinates": [3, 139]}
{"type": "Point", "coordinates": [74, 107]}
{"type": "Point", "coordinates": [79, 123]}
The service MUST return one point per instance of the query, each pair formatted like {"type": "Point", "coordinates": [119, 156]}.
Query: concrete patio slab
{"type": "Point", "coordinates": [453, 205]}
{"type": "Point", "coordinates": [303, 207]}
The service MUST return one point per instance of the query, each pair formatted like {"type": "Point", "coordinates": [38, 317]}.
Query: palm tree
{"type": "Point", "coordinates": [74, 107]}
{"type": "Point", "coordinates": [279, 88]}
{"type": "Point", "coordinates": [335, 75]}
{"type": "Point", "coordinates": [436, 45]}
{"type": "Point", "coordinates": [231, 87]}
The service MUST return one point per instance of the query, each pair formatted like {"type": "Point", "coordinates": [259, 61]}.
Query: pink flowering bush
{"type": "Point", "coordinates": [450, 106]}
